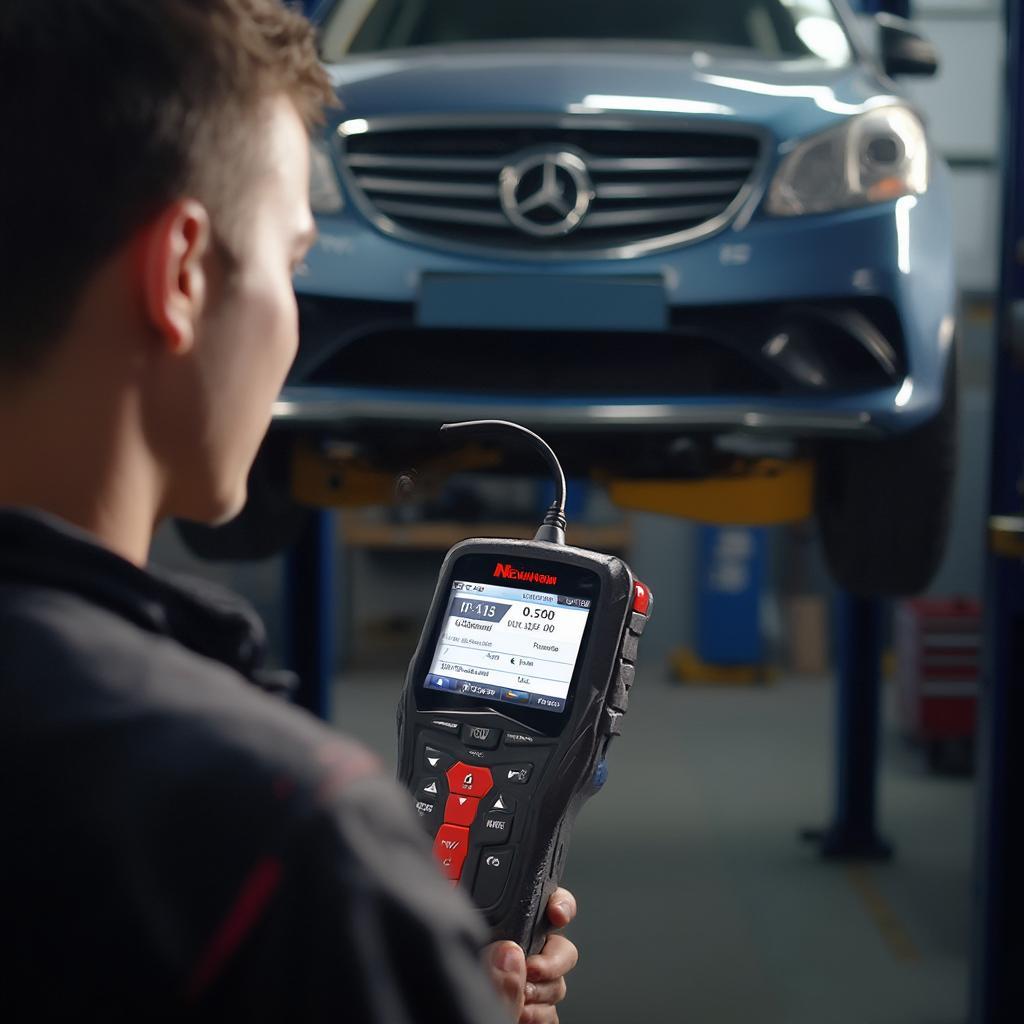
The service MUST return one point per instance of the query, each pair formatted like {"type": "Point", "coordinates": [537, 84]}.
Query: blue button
{"type": "Point", "coordinates": [600, 774]}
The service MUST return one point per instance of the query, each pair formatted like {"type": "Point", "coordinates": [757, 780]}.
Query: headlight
{"type": "Point", "coordinates": [876, 156]}
{"type": "Point", "coordinates": [324, 191]}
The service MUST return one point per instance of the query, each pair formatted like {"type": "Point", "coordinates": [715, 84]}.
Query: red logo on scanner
{"type": "Point", "coordinates": [510, 572]}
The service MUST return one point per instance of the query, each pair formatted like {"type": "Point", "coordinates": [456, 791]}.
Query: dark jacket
{"type": "Point", "coordinates": [177, 844]}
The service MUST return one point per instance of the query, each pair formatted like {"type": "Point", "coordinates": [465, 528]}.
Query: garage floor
{"type": "Point", "coordinates": [698, 903]}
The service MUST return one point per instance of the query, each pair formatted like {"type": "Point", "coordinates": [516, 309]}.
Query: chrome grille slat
{"type": "Point", "coordinates": [650, 215]}
{"type": "Point", "coordinates": [438, 189]}
{"type": "Point", "coordinates": [652, 183]}
{"type": "Point", "coordinates": [425, 163]}
{"type": "Point", "coordinates": [683, 163]}
{"type": "Point", "coordinates": [453, 214]}
{"type": "Point", "coordinates": [671, 190]}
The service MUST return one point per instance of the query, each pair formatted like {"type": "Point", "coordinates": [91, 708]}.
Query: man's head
{"type": "Point", "coordinates": [155, 183]}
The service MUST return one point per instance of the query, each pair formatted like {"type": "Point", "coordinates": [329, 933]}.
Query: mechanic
{"type": "Point", "coordinates": [179, 843]}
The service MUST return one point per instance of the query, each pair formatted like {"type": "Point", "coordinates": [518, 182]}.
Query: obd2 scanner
{"type": "Point", "coordinates": [519, 682]}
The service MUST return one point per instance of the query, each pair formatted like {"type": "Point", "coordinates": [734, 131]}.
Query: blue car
{"type": "Point", "coordinates": [669, 236]}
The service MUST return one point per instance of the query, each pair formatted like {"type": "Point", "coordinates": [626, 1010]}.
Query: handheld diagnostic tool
{"type": "Point", "coordinates": [519, 682]}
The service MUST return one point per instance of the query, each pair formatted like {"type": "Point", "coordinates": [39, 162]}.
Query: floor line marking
{"type": "Point", "coordinates": [881, 912]}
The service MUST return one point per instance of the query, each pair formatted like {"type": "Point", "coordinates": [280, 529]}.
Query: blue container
{"type": "Point", "coordinates": [731, 573]}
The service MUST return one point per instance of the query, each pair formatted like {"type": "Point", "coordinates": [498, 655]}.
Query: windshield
{"type": "Point", "coordinates": [776, 29]}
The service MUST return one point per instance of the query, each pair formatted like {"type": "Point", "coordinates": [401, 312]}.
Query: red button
{"type": "Point", "coordinates": [450, 848]}
{"type": "Point", "coordinates": [460, 810]}
{"type": "Point", "coordinates": [641, 598]}
{"type": "Point", "coordinates": [469, 780]}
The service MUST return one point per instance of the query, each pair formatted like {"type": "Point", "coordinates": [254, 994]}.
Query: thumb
{"type": "Point", "coordinates": [506, 962]}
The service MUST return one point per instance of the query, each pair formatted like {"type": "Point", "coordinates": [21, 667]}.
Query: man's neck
{"type": "Point", "coordinates": [70, 452]}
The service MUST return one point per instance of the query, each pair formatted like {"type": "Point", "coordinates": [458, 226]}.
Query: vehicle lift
{"type": "Point", "coordinates": [997, 984]}
{"type": "Point", "coordinates": [779, 493]}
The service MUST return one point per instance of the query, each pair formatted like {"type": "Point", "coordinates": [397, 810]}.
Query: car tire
{"type": "Point", "coordinates": [269, 523]}
{"type": "Point", "coordinates": [884, 507]}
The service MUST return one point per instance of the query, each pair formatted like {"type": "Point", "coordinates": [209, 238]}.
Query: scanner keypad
{"type": "Point", "coordinates": [473, 778]}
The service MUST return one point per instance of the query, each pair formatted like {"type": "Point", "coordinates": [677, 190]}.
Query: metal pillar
{"type": "Point", "coordinates": [310, 612]}
{"type": "Point", "coordinates": [997, 982]}
{"type": "Point", "coordinates": [853, 832]}
{"type": "Point", "coordinates": [901, 8]}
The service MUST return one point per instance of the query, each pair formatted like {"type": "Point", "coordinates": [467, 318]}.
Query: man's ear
{"type": "Point", "coordinates": [172, 248]}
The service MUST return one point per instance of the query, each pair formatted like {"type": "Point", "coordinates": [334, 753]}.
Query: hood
{"type": "Point", "coordinates": [789, 98]}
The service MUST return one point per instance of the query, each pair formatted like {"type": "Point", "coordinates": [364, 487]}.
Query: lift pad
{"type": "Point", "coordinates": [1006, 536]}
{"type": "Point", "coordinates": [330, 476]}
{"type": "Point", "coordinates": [320, 481]}
{"type": "Point", "coordinates": [761, 492]}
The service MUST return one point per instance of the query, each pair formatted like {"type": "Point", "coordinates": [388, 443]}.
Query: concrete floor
{"type": "Point", "coordinates": [697, 901]}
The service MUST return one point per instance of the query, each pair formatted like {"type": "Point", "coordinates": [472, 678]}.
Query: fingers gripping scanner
{"type": "Point", "coordinates": [520, 680]}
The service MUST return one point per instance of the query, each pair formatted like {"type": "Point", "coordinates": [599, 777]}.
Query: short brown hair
{"type": "Point", "coordinates": [111, 109]}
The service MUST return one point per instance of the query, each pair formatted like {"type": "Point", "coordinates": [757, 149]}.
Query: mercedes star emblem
{"type": "Point", "coordinates": [546, 194]}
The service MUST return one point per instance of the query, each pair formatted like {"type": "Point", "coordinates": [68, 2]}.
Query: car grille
{"type": "Point", "coordinates": [649, 188]}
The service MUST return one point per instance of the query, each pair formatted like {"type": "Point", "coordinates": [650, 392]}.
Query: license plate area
{"type": "Point", "coordinates": [542, 302]}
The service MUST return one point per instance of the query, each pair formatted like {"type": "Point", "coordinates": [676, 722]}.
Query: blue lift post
{"type": "Point", "coordinates": [853, 831]}
{"type": "Point", "coordinates": [997, 978]}
{"type": "Point", "coordinates": [309, 611]}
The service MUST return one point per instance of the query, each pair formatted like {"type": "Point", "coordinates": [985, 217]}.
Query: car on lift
{"type": "Point", "coordinates": [668, 236]}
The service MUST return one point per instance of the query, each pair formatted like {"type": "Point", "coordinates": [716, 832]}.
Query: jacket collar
{"type": "Point", "coordinates": [39, 549]}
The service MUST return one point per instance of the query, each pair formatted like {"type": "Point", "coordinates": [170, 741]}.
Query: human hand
{"type": "Point", "coordinates": [533, 986]}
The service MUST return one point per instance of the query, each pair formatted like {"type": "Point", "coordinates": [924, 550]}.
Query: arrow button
{"type": "Point", "coordinates": [460, 810]}
{"type": "Point", "coordinates": [437, 762]}
{"type": "Point", "coordinates": [504, 803]}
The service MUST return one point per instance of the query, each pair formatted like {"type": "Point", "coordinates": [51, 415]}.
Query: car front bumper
{"type": "Point", "coordinates": [894, 257]}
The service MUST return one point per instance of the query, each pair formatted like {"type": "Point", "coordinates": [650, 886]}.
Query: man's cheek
{"type": "Point", "coordinates": [284, 339]}
{"type": "Point", "coordinates": [272, 316]}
